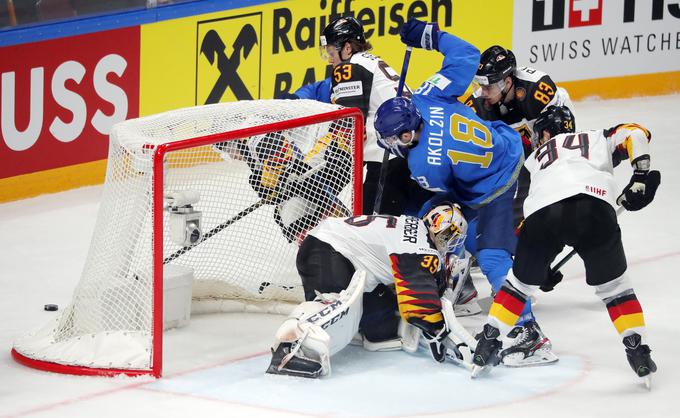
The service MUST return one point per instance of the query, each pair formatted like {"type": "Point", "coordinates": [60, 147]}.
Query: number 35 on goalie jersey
{"type": "Point", "coordinates": [393, 250]}
{"type": "Point", "coordinates": [582, 162]}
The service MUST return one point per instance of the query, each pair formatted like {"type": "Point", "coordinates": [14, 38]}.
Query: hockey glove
{"type": "Point", "coordinates": [435, 340]}
{"type": "Point", "coordinates": [288, 96]}
{"type": "Point", "coordinates": [419, 34]}
{"type": "Point", "coordinates": [642, 187]}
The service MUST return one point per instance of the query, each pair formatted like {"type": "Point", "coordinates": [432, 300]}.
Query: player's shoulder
{"type": "Point", "coordinates": [591, 135]}
{"type": "Point", "coordinates": [365, 60]}
{"type": "Point", "coordinates": [529, 75]}
{"type": "Point", "coordinates": [627, 127]}
{"type": "Point", "coordinates": [357, 68]}
{"type": "Point", "coordinates": [534, 92]}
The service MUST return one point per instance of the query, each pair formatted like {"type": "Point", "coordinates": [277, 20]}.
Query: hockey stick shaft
{"type": "Point", "coordinates": [245, 212]}
{"type": "Point", "coordinates": [568, 257]}
{"type": "Point", "coordinates": [457, 332]}
{"type": "Point", "coordinates": [386, 155]}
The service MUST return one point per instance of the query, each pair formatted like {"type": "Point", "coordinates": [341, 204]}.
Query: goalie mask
{"type": "Point", "coordinates": [447, 227]}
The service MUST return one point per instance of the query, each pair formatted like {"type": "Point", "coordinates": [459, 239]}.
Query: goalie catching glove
{"type": "Point", "coordinates": [642, 187]}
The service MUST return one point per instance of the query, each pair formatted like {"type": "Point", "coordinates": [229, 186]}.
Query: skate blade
{"type": "Point", "coordinates": [539, 358]}
{"type": "Point", "coordinates": [480, 371]}
{"type": "Point", "coordinates": [286, 372]}
{"type": "Point", "coordinates": [647, 380]}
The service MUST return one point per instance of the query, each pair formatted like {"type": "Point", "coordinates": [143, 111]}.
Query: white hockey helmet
{"type": "Point", "coordinates": [447, 227]}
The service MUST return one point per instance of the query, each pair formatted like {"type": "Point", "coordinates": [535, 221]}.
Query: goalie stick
{"type": "Point", "coordinates": [460, 343]}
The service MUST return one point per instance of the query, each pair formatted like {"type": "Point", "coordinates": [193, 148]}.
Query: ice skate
{"type": "Point", "coordinates": [527, 346]}
{"type": "Point", "coordinates": [486, 353]}
{"type": "Point", "coordinates": [639, 359]}
{"type": "Point", "coordinates": [289, 360]}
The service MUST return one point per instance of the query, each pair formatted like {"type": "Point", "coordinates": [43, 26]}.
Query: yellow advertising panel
{"type": "Point", "coordinates": [262, 51]}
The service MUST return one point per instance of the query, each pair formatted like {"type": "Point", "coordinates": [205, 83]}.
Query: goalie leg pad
{"type": "Point", "coordinates": [318, 329]}
{"type": "Point", "coordinates": [409, 336]}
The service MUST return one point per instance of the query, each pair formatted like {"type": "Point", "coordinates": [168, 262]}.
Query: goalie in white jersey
{"type": "Point", "coordinates": [349, 267]}
{"type": "Point", "coordinates": [571, 202]}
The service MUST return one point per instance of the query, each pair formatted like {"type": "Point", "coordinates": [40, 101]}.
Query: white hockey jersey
{"type": "Point", "coordinates": [365, 81]}
{"type": "Point", "coordinates": [570, 164]}
{"type": "Point", "coordinates": [369, 241]}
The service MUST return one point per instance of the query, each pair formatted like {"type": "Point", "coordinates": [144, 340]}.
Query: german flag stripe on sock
{"type": "Point", "coordinates": [626, 313]}
{"type": "Point", "coordinates": [507, 305]}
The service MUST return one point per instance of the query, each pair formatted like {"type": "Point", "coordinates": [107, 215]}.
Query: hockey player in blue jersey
{"type": "Point", "coordinates": [453, 152]}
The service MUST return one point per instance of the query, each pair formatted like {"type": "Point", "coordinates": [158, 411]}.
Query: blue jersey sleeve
{"type": "Point", "coordinates": [320, 91]}
{"type": "Point", "coordinates": [460, 65]}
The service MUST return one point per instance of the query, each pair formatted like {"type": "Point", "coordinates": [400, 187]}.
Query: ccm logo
{"type": "Point", "coordinates": [326, 311]}
{"type": "Point", "coordinates": [64, 131]}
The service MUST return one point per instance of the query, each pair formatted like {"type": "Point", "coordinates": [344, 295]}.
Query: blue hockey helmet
{"type": "Point", "coordinates": [393, 118]}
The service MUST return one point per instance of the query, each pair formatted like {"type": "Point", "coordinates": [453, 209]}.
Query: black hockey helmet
{"type": "Point", "coordinates": [342, 30]}
{"type": "Point", "coordinates": [556, 120]}
{"type": "Point", "coordinates": [495, 64]}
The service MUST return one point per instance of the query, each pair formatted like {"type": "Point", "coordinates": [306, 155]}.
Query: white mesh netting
{"type": "Point", "coordinates": [253, 198]}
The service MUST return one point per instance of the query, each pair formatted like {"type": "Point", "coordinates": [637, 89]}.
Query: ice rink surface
{"type": "Point", "coordinates": [215, 366]}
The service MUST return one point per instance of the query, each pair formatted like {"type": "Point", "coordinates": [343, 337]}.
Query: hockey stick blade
{"type": "Point", "coordinates": [459, 362]}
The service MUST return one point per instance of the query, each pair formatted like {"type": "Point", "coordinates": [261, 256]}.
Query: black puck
{"type": "Point", "coordinates": [51, 307]}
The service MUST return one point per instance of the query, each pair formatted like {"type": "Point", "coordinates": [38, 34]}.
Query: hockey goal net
{"type": "Point", "coordinates": [222, 193]}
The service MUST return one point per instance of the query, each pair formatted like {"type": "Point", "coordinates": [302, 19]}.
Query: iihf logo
{"type": "Point", "coordinates": [549, 14]}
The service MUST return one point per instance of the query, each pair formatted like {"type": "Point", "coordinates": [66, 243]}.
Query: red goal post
{"type": "Point", "coordinates": [217, 196]}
